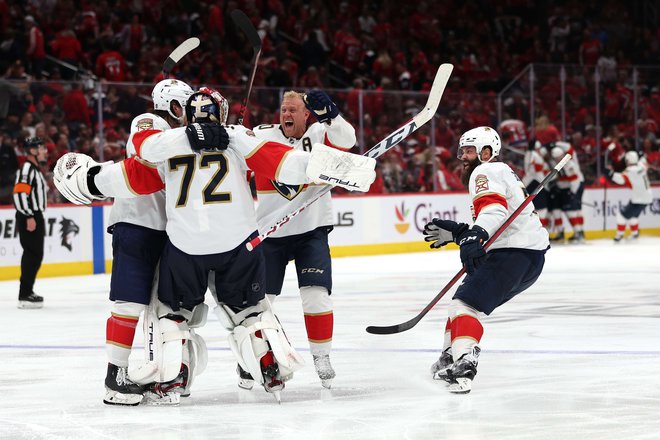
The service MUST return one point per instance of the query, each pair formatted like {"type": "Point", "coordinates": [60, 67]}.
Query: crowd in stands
{"type": "Point", "coordinates": [379, 57]}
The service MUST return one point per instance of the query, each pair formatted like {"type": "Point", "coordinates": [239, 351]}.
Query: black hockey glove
{"type": "Point", "coordinates": [207, 136]}
{"type": "Point", "coordinates": [472, 242]}
{"type": "Point", "coordinates": [441, 232]}
{"type": "Point", "coordinates": [321, 105]}
{"type": "Point", "coordinates": [531, 144]}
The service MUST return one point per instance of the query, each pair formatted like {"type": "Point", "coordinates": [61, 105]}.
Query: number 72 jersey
{"type": "Point", "coordinates": [209, 205]}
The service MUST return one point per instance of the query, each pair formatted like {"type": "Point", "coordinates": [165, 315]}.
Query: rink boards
{"type": "Point", "coordinates": [77, 244]}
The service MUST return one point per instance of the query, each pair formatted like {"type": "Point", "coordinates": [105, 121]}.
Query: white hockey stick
{"type": "Point", "coordinates": [421, 118]}
{"type": "Point", "coordinates": [181, 51]}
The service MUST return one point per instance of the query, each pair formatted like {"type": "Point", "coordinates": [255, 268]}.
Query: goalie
{"type": "Point", "coordinates": [210, 217]}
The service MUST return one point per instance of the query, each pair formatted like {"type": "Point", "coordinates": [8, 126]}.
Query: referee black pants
{"type": "Point", "coordinates": [33, 251]}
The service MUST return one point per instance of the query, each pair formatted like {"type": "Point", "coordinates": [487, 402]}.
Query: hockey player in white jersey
{"type": "Point", "coordinates": [138, 235]}
{"type": "Point", "coordinates": [513, 262]}
{"type": "Point", "coordinates": [570, 185]}
{"type": "Point", "coordinates": [304, 238]}
{"type": "Point", "coordinates": [535, 169]}
{"type": "Point", "coordinates": [636, 178]}
{"type": "Point", "coordinates": [210, 217]}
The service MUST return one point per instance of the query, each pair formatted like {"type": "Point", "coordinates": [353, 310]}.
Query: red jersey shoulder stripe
{"type": "Point", "coordinates": [141, 178]}
{"type": "Point", "coordinates": [487, 199]}
{"type": "Point", "coordinates": [140, 136]}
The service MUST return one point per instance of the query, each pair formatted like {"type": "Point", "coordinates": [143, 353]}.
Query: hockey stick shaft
{"type": "Point", "coordinates": [179, 52]}
{"type": "Point", "coordinates": [398, 328]}
{"type": "Point", "coordinates": [242, 21]}
{"type": "Point", "coordinates": [392, 139]}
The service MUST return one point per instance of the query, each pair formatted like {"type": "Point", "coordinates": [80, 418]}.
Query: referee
{"type": "Point", "coordinates": [30, 202]}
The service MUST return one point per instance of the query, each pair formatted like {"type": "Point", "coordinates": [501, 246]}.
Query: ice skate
{"type": "Point", "coordinates": [245, 379]}
{"type": "Point", "coordinates": [273, 382]}
{"type": "Point", "coordinates": [442, 363]}
{"type": "Point", "coordinates": [324, 369]}
{"type": "Point", "coordinates": [577, 238]}
{"type": "Point", "coordinates": [119, 389]}
{"type": "Point", "coordinates": [558, 238]}
{"type": "Point", "coordinates": [634, 235]}
{"type": "Point", "coordinates": [32, 301]}
{"type": "Point", "coordinates": [460, 374]}
{"type": "Point", "coordinates": [618, 238]}
{"type": "Point", "coordinates": [168, 393]}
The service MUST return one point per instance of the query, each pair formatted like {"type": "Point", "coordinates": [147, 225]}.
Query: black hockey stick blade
{"type": "Point", "coordinates": [243, 21]}
{"type": "Point", "coordinates": [398, 328]}
{"type": "Point", "coordinates": [181, 51]}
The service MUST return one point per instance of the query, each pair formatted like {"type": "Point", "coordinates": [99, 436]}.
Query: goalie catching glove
{"type": "Point", "coordinates": [74, 178]}
{"type": "Point", "coordinates": [339, 168]}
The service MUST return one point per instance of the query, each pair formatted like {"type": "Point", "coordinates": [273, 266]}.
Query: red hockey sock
{"type": "Point", "coordinates": [120, 330]}
{"type": "Point", "coordinates": [319, 326]}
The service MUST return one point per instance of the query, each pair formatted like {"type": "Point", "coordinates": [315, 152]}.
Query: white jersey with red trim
{"type": "Point", "coordinates": [636, 178]}
{"type": "Point", "coordinates": [276, 199]}
{"type": "Point", "coordinates": [209, 205]}
{"type": "Point", "coordinates": [147, 211]}
{"type": "Point", "coordinates": [536, 168]}
{"type": "Point", "coordinates": [515, 131]}
{"type": "Point", "coordinates": [496, 192]}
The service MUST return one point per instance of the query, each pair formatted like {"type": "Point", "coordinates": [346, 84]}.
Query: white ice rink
{"type": "Point", "coordinates": [575, 357]}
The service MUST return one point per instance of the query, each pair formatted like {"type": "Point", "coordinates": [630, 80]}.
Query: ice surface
{"type": "Point", "coordinates": [575, 357]}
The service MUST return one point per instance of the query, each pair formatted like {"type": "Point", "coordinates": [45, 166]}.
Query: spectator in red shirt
{"type": "Point", "coordinates": [35, 51]}
{"type": "Point", "coordinates": [590, 49]}
{"type": "Point", "coordinates": [67, 48]}
{"type": "Point", "coordinates": [545, 132]}
{"type": "Point", "coordinates": [76, 109]}
{"type": "Point", "coordinates": [110, 64]}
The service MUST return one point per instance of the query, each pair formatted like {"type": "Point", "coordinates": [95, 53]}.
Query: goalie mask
{"type": "Point", "coordinates": [207, 105]}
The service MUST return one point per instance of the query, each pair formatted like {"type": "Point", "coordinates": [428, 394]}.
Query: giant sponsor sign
{"type": "Point", "coordinates": [401, 218]}
{"type": "Point", "coordinates": [68, 236]}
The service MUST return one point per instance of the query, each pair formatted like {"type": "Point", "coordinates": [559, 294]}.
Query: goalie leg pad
{"type": "Point", "coordinates": [256, 335]}
{"type": "Point", "coordinates": [165, 350]}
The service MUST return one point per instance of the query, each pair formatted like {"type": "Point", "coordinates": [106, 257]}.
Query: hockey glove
{"type": "Point", "coordinates": [207, 136]}
{"type": "Point", "coordinates": [73, 176]}
{"type": "Point", "coordinates": [473, 254]}
{"type": "Point", "coordinates": [442, 232]}
{"type": "Point", "coordinates": [321, 105]}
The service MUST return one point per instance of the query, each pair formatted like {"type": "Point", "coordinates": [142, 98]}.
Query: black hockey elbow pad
{"type": "Point", "coordinates": [207, 136]}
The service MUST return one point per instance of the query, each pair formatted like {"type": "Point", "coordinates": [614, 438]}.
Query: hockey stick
{"type": "Point", "coordinates": [392, 139]}
{"type": "Point", "coordinates": [398, 328]}
{"type": "Point", "coordinates": [181, 51]}
{"type": "Point", "coordinates": [242, 21]}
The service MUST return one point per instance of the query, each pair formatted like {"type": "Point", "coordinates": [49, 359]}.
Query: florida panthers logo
{"type": "Point", "coordinates": [288, 191]}
{"type": "Point", "coordinates": [67, 231]}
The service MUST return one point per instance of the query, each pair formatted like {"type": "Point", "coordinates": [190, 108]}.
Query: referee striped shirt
{"type": "Point", "coordinates": [30, 190]}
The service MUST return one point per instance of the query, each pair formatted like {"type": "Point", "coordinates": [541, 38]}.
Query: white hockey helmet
{"type": "Point", "coordinates": [557, 153]}
{"type": "Point", "coordinates": [631, 158]}
{"type": "Point", "coordinates": [479, 138]}
{"type": "Point", "coordinates": [169, 90]}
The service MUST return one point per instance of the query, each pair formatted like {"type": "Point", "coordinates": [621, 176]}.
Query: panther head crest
{"type": "Point", "coordinates": [67, 230]}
